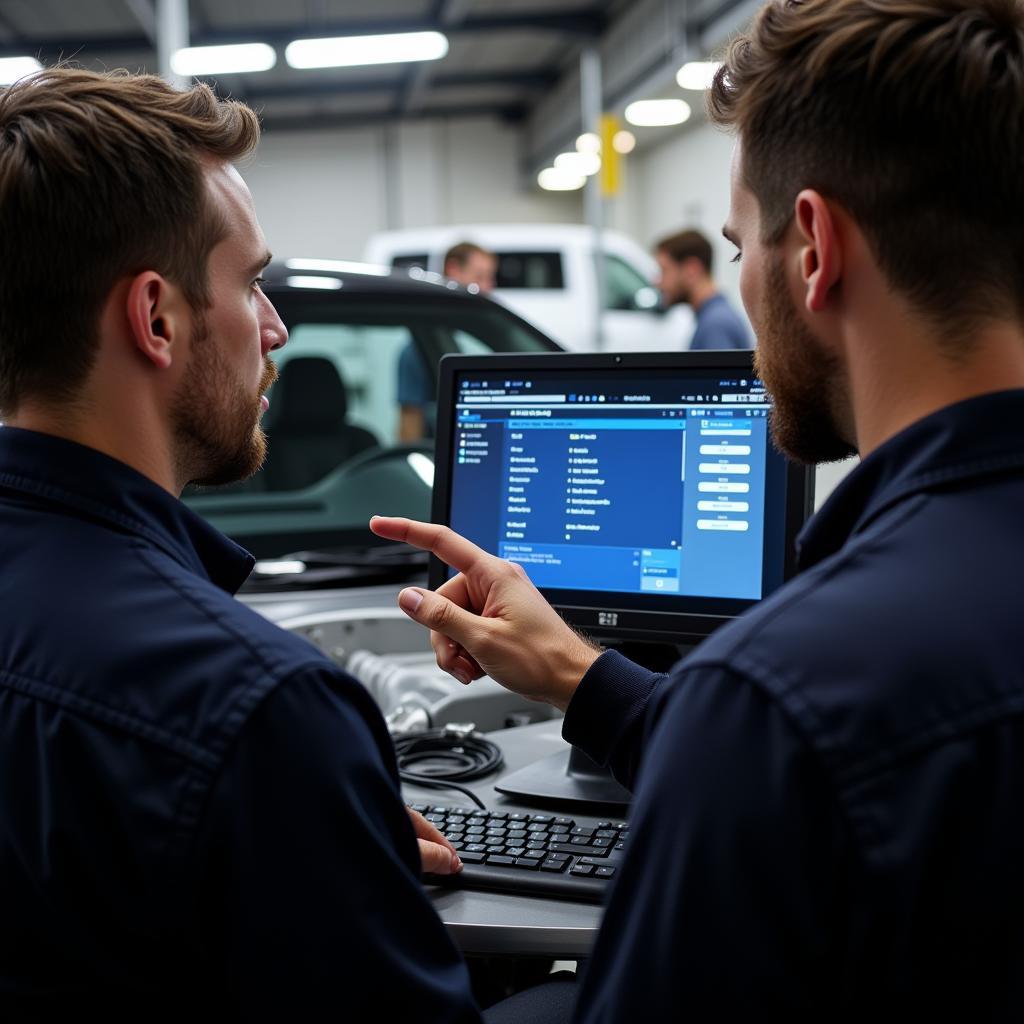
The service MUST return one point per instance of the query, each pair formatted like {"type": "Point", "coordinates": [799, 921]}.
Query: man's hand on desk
{"type": "Point", "coordinates": [490, 619]}
{"type": "Point", "coordinates": [437, 855]}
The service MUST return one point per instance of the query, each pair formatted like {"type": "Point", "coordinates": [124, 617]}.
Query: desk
{"type": "Point", "coordinates": [492, 923]}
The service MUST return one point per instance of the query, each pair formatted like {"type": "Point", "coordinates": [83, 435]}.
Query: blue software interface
{"type": "Point", "coordinates": [656, 484]}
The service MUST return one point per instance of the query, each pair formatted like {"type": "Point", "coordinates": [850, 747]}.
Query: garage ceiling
{"type": "Point", "coordinates": [504, 57]}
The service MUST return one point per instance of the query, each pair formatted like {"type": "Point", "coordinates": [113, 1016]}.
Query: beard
{"type": "Point", "coordinates": [803, 379]}
{"type": "Point", "coordinates": [216, 419]}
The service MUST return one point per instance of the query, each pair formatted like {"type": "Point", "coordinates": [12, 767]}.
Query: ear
{"type": "Point", "coordinates": [156, 316]}
{"type": "Point", "coordinates": [821, 265]}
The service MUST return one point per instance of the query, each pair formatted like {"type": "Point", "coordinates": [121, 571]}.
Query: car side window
{"type": "Point", "coordinates": [535, 270]}
{"type": "Point", "coordinates": [406, 261]}
{"type": "Point", "coordinates": [625, 287]}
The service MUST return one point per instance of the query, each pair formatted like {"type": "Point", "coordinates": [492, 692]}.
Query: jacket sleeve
{"type": "Point", "coordinates": [734, 873]}
{"type": "Point", "coordinates": [311, 897]}
{"type": "Point", "coordinates": [605, 717]}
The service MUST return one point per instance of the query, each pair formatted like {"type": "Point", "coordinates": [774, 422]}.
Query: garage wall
{"type": "Point", "coordinates": [682, 182]}
{"type": "Point", "coordinates": [324, 193]}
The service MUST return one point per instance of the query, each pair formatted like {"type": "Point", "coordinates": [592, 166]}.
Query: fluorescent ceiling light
{"type": "Point", "coordinates": [578, 163]}
{"type": "Point", "coordinates": [349, 51]}
{"type": "Point", "coordinates": [338, 267]}
{"type": "Point", "coordinates": [657, 113]}
{"type": "Point", "coordinates": [553, 179]}
{"type": "Point", "coordinates": [196, 61]}
{"type": "Point", "coordinates": [624, 142]}
{"type": "Point", "coordinates": [588, 142]}
{"type": "Point", "coordinates": [698, 75]}
{"type": "Point", "coordinates": [326, 284]}
{"type": "Point", "coordinates": [13, 68]}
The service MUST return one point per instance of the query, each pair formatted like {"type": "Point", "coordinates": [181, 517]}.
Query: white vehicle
{"type": "Point", "coordinates": [547, 274]}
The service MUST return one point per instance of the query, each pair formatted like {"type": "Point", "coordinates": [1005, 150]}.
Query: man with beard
{"type": "Point", "coordinates": [685, 261]}
{"type": "Point", "coordinates": [827, 819]}
{"type": "Point", "coordinates": [199, 813]}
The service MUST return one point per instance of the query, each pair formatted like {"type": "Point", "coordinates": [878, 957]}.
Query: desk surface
{"type": "Point", "coordinates": [492, 923]}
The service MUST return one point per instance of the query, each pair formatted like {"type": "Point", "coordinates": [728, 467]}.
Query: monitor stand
{"type": "Point", "coordinates": [572, 779]}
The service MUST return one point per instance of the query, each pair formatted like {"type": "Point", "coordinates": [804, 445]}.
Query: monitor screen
{"type": "Point", "coordinates": [641, 493]}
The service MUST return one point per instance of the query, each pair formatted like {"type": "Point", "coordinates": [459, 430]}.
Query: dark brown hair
{"type": "Point", "coordinates": [910, 114]}
{"type": "Point", "coordinates": [687, 245]}
{"type": "Point", "coordinates": [100, 178]}
{"type": "Point", "coordinates": [461, 253]}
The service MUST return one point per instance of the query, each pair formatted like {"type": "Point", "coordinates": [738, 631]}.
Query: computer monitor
{"type": "Point", "coordinates": [641, 493]}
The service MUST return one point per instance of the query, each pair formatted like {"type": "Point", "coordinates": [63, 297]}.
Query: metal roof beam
{"type": "Point", "coordinates": [512, 114]}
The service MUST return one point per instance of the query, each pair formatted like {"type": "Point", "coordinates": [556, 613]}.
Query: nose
{"type": "Point", "coordinates": [273, 333]}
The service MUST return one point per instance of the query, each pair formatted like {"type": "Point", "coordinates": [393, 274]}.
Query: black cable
{"type": "Point", "coordinates": [442, 758]}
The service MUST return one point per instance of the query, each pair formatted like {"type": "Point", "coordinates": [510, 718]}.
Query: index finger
{"type": "Point", "coordinates": [450, 547]}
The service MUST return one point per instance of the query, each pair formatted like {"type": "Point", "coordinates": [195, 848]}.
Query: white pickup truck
{"type": "Point", "coordinates": [547, 273]}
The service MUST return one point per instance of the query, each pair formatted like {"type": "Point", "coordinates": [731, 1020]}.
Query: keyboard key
{"type": "Point", "coordinates": [565, 821]}
{"type": "Point", "coordinates": [420, 808]}
{"type": "Point", "coordinates": [578, 850]}
{"type": "Point", "coordinates": [607, 833]}
{"type": "Point", "coordinates": [604, 824]}
{"type": "Point", "coordinates": [554, 865]}
{"type": "Point", "coordinates": [620, 846]}
{"type": "Point", "coordinates": [537, 844]}
{"type": "Point", "coordinates": [473, 848]}
{"type": "Point", "coordinates": [604, 872]}
{"type": "Point", "coordinates": [600, 843]}
{"type": "Point", "coordinates": [541, 819]}
{"type": "Point", "coordinates": [517, 833]}
{"type": "Point", "coordinates": [503, 860]}
{"type": "Point", "coordinates": [456, 819]}
{"type": "Point", "coordinates": [582, 830]}
{"type": "Point", "coordinates": [562, 858]}
{"type": "Point", "coordinates": [536, 826]}
{"type": "Point", "coordinates": [557, 830]}
{"type": "Point", "coordinates": [499, 815]}
{"type": "Point", "coordinates": [495, 841]}
{"type": "Point", "coordinates": [434, 817]}
{"type": "Point", "coordinates": [440, 810]}
{"type": "Point", "coordinates": [471, 856]}
{"type": "Point", "coordinates": [516, 851]}
{"type": "Point", "coordinates": [582, 869]}
{"type": "Point", "coordinates": [530, 863]}
{"type": "Point", "coordinates": [518, 817]}
{"type": "Point", "coordinates": [492, 831]}
{"type": "Point", "coordinates": [580, 841]}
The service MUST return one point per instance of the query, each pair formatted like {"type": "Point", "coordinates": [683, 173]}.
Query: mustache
{"type": "Point", "coordinates": [270, 375]}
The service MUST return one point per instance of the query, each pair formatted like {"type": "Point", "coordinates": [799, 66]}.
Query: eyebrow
{"type": "Point", "coordinates": [261, 263]}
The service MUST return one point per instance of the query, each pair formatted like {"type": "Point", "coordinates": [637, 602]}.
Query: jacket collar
{"type": "Point", "coordinates": [59, 472]}
{"type": "Point", "coordinates": [975, 438]}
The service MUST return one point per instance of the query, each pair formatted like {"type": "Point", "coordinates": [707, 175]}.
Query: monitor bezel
{"type": "Point", "coordinates": [607, 620]}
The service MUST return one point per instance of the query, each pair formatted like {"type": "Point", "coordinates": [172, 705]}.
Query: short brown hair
{"type": "Point", "coordinates": [460, 254]}
{"type": "Point", "coordinates": [686, 245]}
{"type": "Point", "coordinates": [910, 114]}
{"type": "Point", "coordinates": [100, 178]}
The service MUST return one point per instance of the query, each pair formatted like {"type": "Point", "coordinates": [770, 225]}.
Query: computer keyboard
{"type": "Point", "coordinates": [529, 854]}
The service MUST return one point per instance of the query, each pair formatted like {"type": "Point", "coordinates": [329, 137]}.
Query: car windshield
{"type": "Point", "coordinates": [357, 370]}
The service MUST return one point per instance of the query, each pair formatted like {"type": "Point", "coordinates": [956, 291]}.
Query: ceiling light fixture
{"type": "Point", "coordinates": [698, 75]}
{"type": "Point", "coordinates": [624, 142]}
{"type": "Point", "coordinates": [588, 142]}
{"type": "Point", "coordinates": [13, 68]}
{"type": "Point", "coordinates": [657, 113]}
{"type": "Point", "coordinates": [578, 163]}
{"type": "Point", "coordinates": [553, 179]}
{"type": "Point", "coordinates": [351, 51]}
{"type": "Point", "coordinates": [242, 58]}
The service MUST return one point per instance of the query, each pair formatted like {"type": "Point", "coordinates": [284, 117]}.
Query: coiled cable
{"type": "Point", "coordinates": [444, 758]}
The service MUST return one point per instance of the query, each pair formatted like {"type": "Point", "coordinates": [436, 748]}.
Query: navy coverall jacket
{"type": "Point", "coordinates": [829, 813]}
{"type": "Point", "coordinates": [199, 814]}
